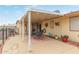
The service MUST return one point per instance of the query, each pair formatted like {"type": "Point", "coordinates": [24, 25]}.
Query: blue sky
{"type": "Point", "coordinates": [9, 14]}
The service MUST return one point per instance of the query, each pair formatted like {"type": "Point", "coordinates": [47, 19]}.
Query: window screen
{"type": "Point", "coordinates": [74, 23]}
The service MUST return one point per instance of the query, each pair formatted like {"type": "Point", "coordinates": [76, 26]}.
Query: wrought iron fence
{"type": "Point", "coordinates": [5, 33]}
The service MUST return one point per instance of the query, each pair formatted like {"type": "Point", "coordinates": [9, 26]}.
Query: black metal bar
{"type": "Point", "coordinates": [3, 36]}
{"type": "Point", "coordinates": [6, 32]}
{"type": "Point", "coordinates": [9, 32]}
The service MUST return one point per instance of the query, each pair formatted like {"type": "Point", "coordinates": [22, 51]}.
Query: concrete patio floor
{"type": "Point", "coordinates": [18, 44]}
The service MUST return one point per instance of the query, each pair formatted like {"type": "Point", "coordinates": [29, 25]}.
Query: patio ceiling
{"type": "Point", "coordinates": [38, 16]}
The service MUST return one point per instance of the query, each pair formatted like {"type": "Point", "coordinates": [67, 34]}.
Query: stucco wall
{"type": "Point", "coordinates": [54, 31]}
{"type": "Point", "coordinates": [19, 27]}
{"type": "Point", "coordinates": [62, 29]}
{"type": "Point", "coordinates": [73, 35]}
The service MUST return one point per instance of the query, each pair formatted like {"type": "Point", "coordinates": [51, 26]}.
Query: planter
{"type": "Point", "coordinates": [65, 39]}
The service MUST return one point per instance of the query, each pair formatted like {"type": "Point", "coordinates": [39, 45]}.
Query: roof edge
{"type": "Point", "coordinates": [44, 11]}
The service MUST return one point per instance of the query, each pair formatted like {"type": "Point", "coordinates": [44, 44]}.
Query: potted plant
{"type": "Point", "coordinates": [65, 38]}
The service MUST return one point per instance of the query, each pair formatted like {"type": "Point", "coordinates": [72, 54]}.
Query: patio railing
{"type": "Point", "coordinates": [5, 33]}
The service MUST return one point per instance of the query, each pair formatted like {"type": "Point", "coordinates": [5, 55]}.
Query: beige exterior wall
{"type": "Point", "coordinates": [19, 26]}
{"type": "Point", "coordinates": [62, 29]}
{"type": "Point", "coordinates": [54, 31]}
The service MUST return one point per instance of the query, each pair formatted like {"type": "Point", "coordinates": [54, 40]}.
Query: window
{"type": "Point", "coordinates": [74, 23]}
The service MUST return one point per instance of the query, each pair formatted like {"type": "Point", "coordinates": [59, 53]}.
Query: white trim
{"type": "Point", "coordinates": [23, 26]}
{"type": "Point", "coordinates": [44, 11]}
{"type": "Point", "coordinates": [29, 31]}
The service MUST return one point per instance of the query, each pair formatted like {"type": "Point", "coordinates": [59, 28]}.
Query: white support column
{"type": "Point", "coordinates": [23, 27]}
{"type": "Point", "coordinates": [20, 28]}
{"type": "Point", "coordinates": [29, 31]}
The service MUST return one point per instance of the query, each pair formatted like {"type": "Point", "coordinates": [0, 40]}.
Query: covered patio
{"type": "Point", "coordinates": [32, 24]}
{"type": "Point", "coordinates": [34, 19]}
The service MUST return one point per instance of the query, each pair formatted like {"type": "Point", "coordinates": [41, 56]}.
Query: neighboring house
{"type": "Point", "coordinates": [54, 23]}
{"type": "Point", "coordinates": [8, 30]}
{"type": "Point", "coordinates": [11, 26]}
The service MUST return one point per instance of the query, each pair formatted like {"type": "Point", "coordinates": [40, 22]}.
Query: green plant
{"type": "Point", "coordinates": [65, 36]}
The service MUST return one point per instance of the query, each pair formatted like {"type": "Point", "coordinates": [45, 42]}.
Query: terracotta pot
{"type": "Point", "coordinates": [65, 39]}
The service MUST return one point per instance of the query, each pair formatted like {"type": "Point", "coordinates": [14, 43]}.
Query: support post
{"type": "Point", "coordinates": [3, 35]}
{"type": "Point", "coordinates": [29, 31]}
{"type": "Point", "coordinates": [6, 32]}
{"type": "Point", "coordinates": [23, 27]}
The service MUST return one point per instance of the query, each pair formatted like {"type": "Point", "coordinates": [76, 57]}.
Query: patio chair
{"type": "Point", "coordinates": [39, 35]}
